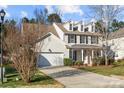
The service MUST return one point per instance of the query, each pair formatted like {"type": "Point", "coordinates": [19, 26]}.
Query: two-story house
{"type": "Point", "coordinates": [82, 40]}
{"type": "Point", "coordinates": [75, 40]}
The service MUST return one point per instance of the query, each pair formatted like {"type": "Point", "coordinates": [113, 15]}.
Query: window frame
{"type": "Point", "coordinates": [70, 26]}
{"type": "Point", "coordinates": [82, 39]}
{"type": "Point", "coordinates": [94, 39]}
{"type": "Point", "coordinates": [72, 40]}
{"type": "Point", "coordinates": [82, 27]}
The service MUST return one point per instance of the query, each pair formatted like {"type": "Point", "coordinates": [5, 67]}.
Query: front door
{"type": "Point", "coordinates": [75, 55]}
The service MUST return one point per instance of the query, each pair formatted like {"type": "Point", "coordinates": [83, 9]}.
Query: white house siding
{"type": "Point", "coordinates": [89, 28]}
{"type": "Point", "coordinates": [66, 39]}
{"type": "Point", "coordinates": [51, 51]}
{"type": "Point", "coordinates": [78, 39]}
{"type": "Point", "coordinates": [51, 43]}
{"type": "Point", "coordinates": [67, 25]}
{"type": "Point", "coordinates": [117, 46]}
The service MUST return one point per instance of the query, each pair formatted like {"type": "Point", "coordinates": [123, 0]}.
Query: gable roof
{"type": "Point", "coordinates": [44, 29]}
{"type": "Point", "coordinates": [117, 34]}
{"type": "Point", "coordinates": [60, 25]}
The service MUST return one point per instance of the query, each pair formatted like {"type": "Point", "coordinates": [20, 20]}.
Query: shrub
{"type": "Point", "coordinates": [98, 61]}
{"type": "Point", "coordinates": [78, 62]}
{"type": "Point", "coordinates": [101, 61]}
{"type": "Point", "coordinates": [68, 62]}
{"type": "Point", "coordinates": [111, 61]}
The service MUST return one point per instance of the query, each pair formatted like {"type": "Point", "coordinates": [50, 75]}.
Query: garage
{"type": "Point", "coordinates": [50, 59]}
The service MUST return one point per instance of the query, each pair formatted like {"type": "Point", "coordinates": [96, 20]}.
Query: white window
{"type": "Point", "coordinates": [94, 40]}
{"type": "Point", "coordinates": [92, 28]}
{"type": "Point", "coordinates": [86, 29]}
{"type": "Point", "coordinates": [81, 27]}
{"type": "Point", "coordinates": [82, 39]}
{"type": "Point", "coordinates": [70, 27]}
{"type": "Point", "coordinates": [71, 38]}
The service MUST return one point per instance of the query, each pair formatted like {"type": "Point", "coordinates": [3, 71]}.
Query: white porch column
{"type": "Point", "coordinates": [72, 53]}
{"type": "Point", "coordinates": [101, 53]}
{"type": "Point", "coordinates": [82, 55]}
{"type": "Point", "coordinates": [92, 53]}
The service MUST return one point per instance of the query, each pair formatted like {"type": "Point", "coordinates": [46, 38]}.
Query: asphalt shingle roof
{"type": "Point", "coordinates": [44, 29]}
{"type": "Point", "coordinates": [117, 34]}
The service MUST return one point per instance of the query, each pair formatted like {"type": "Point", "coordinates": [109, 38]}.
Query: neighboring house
{"type": "Point", "coordinates": [116, 44]}
{"type": "Point", "coordinates": [75, 40]}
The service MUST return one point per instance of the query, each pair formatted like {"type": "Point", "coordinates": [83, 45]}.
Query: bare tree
{"type": "Point", "coordinates": [106, 14]}
{"type": "Point", "coordinates": [21, 50]}
{"type": "Point", "coordinates": [41, 15]}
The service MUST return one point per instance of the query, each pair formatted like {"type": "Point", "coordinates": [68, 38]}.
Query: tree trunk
{"type": "Point", "coordinates": [106, 50]}
{"type": "Point", "coordinates": [106, 58]}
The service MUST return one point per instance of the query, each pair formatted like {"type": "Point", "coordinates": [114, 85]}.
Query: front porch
{"type": "Point", "coordinates": [85, 54]}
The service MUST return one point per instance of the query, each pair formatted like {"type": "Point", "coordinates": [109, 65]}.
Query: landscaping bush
{"type": "Point", "coordinates": [111, 61]}
{"type": "Point", "coordinates": [68, 62]}
{"type": "Point", "coordinates": [98, 61]}
{"type": "Point", "coordinates": [78, 62]}
{"type": "Point", "coordinates": [101, 61]}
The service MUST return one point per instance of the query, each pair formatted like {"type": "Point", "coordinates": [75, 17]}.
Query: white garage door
{"type": "Point", "coordinates": [50, 59]}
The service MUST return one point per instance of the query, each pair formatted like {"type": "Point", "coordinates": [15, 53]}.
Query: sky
{"type": "Point", "coordinates": [69, 12]}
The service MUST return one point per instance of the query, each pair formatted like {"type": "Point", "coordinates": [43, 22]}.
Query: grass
{"type": "Point", "coordinates": [106, 70]}
{"type": "Point", "coordinates": [38, 80]}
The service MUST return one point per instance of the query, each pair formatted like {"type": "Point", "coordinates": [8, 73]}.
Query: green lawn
{"type": "Point", "coordinates": [106, 70]}
{"type": "Point", "coordinates": [39, 80]}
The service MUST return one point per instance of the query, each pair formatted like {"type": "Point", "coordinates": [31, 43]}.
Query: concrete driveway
{"type": "Point", "coordinates": [74, 78]}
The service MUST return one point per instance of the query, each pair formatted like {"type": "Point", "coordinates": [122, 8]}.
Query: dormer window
{"type": "Point", "coordinates": [75, 28]}
{"type": "Point", "coordinates": [70, 27]}
{"type": "Point", "coordinates": [86, 29]}
{"type": "Point", "coordinates": [92, 28]}
{"type": "Point", "coordinates": [81, 27]}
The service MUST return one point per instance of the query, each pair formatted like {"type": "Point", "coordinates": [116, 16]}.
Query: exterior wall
{"type": "Point", "coordinates": [78, 39]}
{"type": "Point", "coordinates": [66, 38]}
{"type": "Point", "coordinates": [117, 46]}
{"type": "Point", "coordinates": [52, 44]}
{"type": "Point", "coordinates": [100, 41]}
{"type": "Point", "coordinates": [66, 25]}
{"type": "Point", "coordinates": [59, 31]}
{"type": "Point", "coordinates": [79, 27]}
{"type": "Point", "coordinates": [89, 40]}
{"type": "Point", "coordinates": [90, 27]}
{"type": "Point", "coordinates": [66, 53]}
